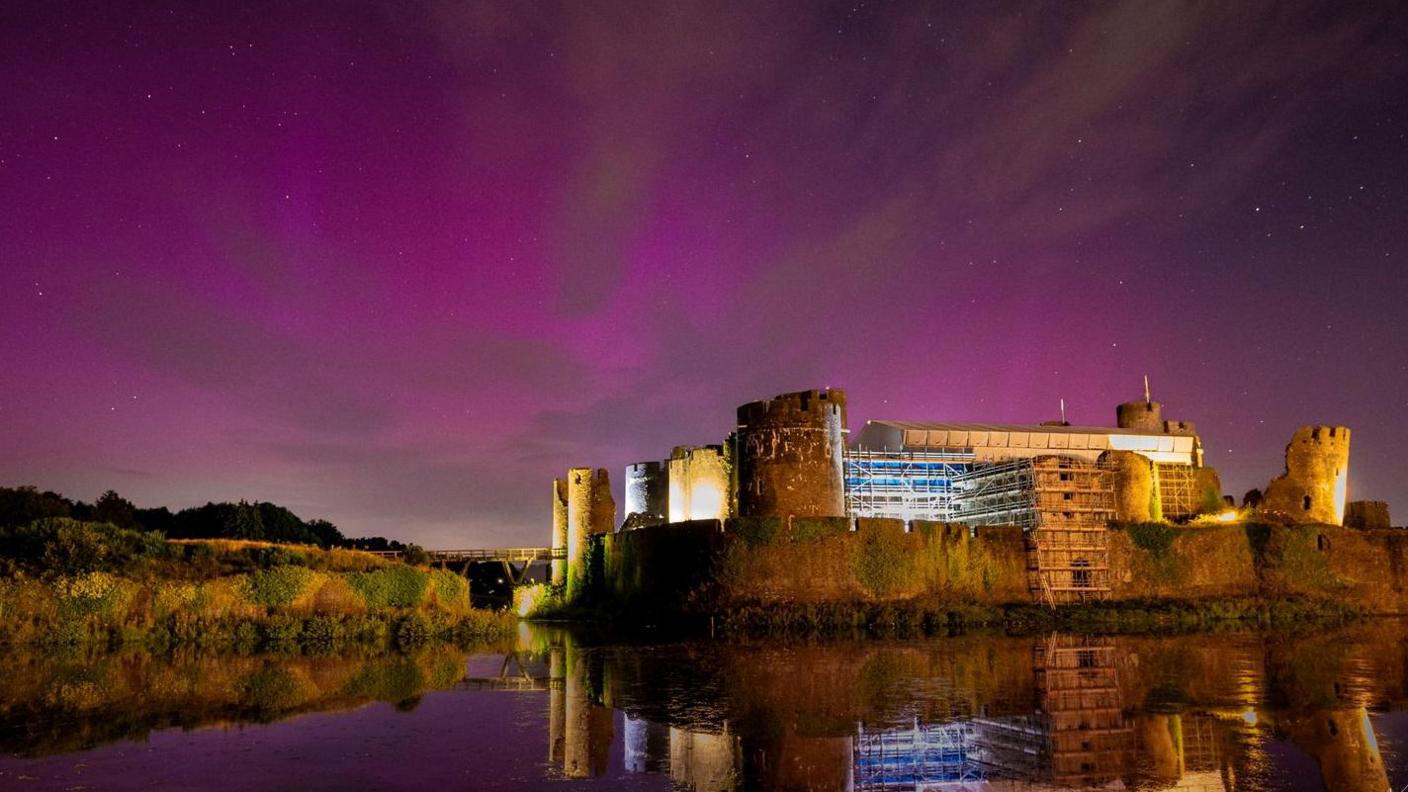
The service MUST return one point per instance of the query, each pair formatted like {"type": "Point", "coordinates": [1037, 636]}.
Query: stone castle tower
{"type": "Point", "coordinates": [789, 455]}
{"type": "Point", "coordinates": [647, 493]}
{"type": "Point", "coordinates": [1314, 487]}
{"type": "Point", "coordinates": [591, 509]}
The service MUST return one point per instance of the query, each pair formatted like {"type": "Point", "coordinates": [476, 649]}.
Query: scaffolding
{"type": "Point", "coordinates": [908, 485]}
{"type": "Point", "coordinates": [1090, 740]}
{"type": "Point", "coordinates": [918, 758]}
{"type": "Point", "coordinates": [997, 494]}
{"type": "Point", "coordinates": [1179, 498]}
{"type": "Point", "coordinates": [1064, 505]}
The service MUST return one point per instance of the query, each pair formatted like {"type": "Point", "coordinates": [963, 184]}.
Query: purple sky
{"type": "Point", "coordinates": [397, 265]}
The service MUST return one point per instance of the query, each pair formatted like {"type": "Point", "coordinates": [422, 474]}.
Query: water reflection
{"type": "Point", "coordinates": [1223, 712]}
{"type": "Point", "coordinates": [1058, 712]}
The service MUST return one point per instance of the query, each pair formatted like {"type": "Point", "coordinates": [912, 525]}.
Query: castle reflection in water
{"type": "Point", "coordinates": [980, 713]}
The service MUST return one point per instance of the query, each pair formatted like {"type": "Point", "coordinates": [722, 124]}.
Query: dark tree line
{"type": "Point", "coordinates": [260, 521]}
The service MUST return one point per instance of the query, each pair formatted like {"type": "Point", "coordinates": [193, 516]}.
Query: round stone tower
{"type": "Point", "coordinates": [1144, 416]}
{"type": "Point", "coordinates": [647, 493]}
{"type": "Point", "coordinates": [1315, 485]}
{"type": "Point", "coordinates": [559, 532]}
{"type": "Point", "coordinates": [1136, 489]}
{"type": "Point", "coordinates": [789, 455]}
{"type": "Point", "coordinates": [590, 510]}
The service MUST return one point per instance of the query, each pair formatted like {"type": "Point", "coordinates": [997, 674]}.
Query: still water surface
{"type": "Point", "coordinates": [552, 710]}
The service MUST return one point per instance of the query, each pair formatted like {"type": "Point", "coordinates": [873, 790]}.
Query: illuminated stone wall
{"type": "Point", "coordinates": [647, 494]}
{"type": "Point", "coordinates": [1136, 496]}
{"type": "Point", "coordinates": [815, 560]}
{"type": "Point", "coordinates": [559, 531]}
{"type": "Point", "coordinates": [1146, 416]}
{"type": "Point", "coordinates": [1314, 487]}
{"type": "Point", "coordinates": [591, 511]}
{"type": "Point", "coordinates": [1367, 514]}
{"type": "Point", "coordinates": [700, 483]}
{"type": "Point", "coordinates": [790, 455]}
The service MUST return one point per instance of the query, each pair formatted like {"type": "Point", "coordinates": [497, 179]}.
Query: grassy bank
{"type": "Point", "coordinates": [67, 582]}
{"type": "Point", "coordinates": [935, 616]}
{"type": "Point", "coordinates": [922, 617]}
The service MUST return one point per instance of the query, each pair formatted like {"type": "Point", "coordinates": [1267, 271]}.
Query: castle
{"type": "Point", "coordinates": [1061, 485]}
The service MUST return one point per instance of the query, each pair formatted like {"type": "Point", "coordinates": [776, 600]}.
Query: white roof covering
{"type": "Point", "coordinates": [1003, 441]}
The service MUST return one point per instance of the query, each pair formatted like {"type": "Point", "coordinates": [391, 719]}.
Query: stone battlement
{"type": "Point", "coordinates": [1324, 435]}
{"type": "Point", "coordinates": [809, 408]}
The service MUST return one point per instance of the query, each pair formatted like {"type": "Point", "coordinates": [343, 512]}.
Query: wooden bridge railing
{"type": "Point", "coordinates": [510, 554]}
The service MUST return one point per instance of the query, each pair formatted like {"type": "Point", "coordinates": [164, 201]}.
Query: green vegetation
{"type": "Point", "coordinates": [928, 617]}
{"type": "Point", "coordinates": [1155, 537]}
{"type": "Point", "coordinates": [390, 587]}
{"type": "Point", "coordinates": [1292, 558]}
{"type": "Point", "coordinates": [759, 531]}
{"type": "Point", "coordinates": [884, 561]}
{"type": "Point", "coordinates": [811, 530]}
{"type": "Point", "coordinates": [68, 582]}
{"type": "Point", "coordinates": [259, 521]}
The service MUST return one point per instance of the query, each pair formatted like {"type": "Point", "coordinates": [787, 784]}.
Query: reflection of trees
{"type": "Point", "coordinates": [54, 704]}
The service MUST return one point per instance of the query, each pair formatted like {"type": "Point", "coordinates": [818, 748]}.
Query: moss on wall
{"type": "Point", "coordinates": [820, 566]}
{"type": "Point", "coordinates": [1293, 559]}
{"type": "Point", "coordinates": [815, 560]}
{"type": "Point", "coordinates": [1154, 561]}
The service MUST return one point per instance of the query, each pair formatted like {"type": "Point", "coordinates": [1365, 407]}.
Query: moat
{"type": "Point", "coordinates": [554, 709]}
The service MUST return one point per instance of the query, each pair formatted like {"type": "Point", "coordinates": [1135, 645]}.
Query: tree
{"type": "Point", "coordinates": [325, 533]}
{"type": "Point", "coordinates": [115, 509]}
{"type": "Point", "coordinates": [24, 505]}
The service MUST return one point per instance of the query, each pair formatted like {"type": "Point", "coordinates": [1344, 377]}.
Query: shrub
{"type": "Point", "coordinates": [450, 590]}
{"type": "Point", "coordinates": [336, 596]}
{"type": "Point", "coordinates": [93, 593]}
{"type": "Point", "coordinates": [413, 630]}
{"type": "Point", "coordinates": [280, 586]}
{"type": "Point", "coordinates": [398, 586]}
{"type": "Point", "coordinates": [281, 632]}
{"type": "Point", "coordinates": [63, 547]}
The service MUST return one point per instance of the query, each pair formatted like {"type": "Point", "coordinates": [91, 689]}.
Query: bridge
{"type": "Point", "coordinates": [511, 555]}
{"type": "Point", "coordinates": [516, 675]}
{"type": "Point", "coordinates": [508, 556]}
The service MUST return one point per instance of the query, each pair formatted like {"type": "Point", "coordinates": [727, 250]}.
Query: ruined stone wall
{"type": "Point", "coordinates": [1372, 564]}
{"type": "Point", "coordinates": [817, 560]}
{"type": "Point", "coordinates": [790, 455]}
{"type": "Point", "coordinates": [661, 563]}
{"type": "Point", "coordinates": [591, 511]}
{"type": "Point", "coordinates": [1367, 514]}
{"type": "Point", "coordinates": [1160, 562]}
{"type": "Point", "coordinates": [762, 561]}
{"type": "Point", "coordinates": [1365, 569]}
{"type": "Point", "coordinates": [700, 484]}
{"type": "Point", "coordinates": [559, 531]}
{"type": "Point", "coordinates": [647, 494]}
{"type": "Point", "coordinates": [1136, 496]}
{"type": "Point", "coordinates": [1314, 487]}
